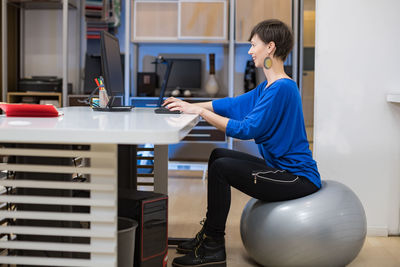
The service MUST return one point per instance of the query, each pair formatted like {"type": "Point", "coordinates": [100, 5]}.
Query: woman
{"type": "Point", "coordinates": [271, 114]}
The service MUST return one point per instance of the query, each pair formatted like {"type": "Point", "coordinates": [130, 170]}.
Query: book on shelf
{"type": "Point", "coordinates": [95, 36]}
{"type": "Point", "coordinates": [93, 7]}
{"type": "Point", "coordinates": [98, 3]}
{"type": "Point", "coordinates": [96, 29]}
{"type": "Point", "coordinates": [96, 18]}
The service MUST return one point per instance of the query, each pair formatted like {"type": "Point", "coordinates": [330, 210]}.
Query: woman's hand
{"type": "Point", "coordinates": [173, 103]}
{"type": "Point", "coordinates": [205, 110]}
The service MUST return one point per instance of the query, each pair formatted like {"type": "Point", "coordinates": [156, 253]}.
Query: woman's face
{"type": "Point", "coordinates": [258, 51]}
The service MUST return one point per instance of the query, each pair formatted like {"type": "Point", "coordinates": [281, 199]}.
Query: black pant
{"type": "Point", "coordinates": [252, 176]}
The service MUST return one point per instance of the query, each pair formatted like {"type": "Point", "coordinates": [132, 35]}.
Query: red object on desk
{"type": "Point", "coordinates": [29, 110]}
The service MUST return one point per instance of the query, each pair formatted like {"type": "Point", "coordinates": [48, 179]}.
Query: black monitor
{"type": "Point", "coordinates": [111, 66]}
{"type": "Point", "coordinates": [185, 74]}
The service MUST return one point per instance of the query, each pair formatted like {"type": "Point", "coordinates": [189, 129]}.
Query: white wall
{"type": "Point", "coordinates": [357, 133]}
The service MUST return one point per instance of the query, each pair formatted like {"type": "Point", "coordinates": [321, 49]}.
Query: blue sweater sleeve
{"type": "Point", "coordinates": [266, 116]}
{"type": "Point", "coordinates": [238, 107]}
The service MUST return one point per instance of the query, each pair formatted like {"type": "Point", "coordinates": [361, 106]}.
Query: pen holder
{"type": "Point", "coordinates": [103, 98]}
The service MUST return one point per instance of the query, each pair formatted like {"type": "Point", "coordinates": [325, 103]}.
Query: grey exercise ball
{"type": "Point", "coordinates": [327, 228]}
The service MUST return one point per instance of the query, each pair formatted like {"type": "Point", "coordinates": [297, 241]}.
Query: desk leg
{"type": "Point", "coordinates": [161, 179]}
{"type": "Point", "coordinates": [127, 177]}
{"type": "Point", "coordinates": [161, 169]}
{"type": "Point", "coordinates": [98, 211]}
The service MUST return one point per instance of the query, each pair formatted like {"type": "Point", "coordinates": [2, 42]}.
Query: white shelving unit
{"type": "Point", "coordinates": [232, 41]}
{"type": "Point", "coordinates": [65, 5]}
{"type": "Point", "coordinates": [393, 97]}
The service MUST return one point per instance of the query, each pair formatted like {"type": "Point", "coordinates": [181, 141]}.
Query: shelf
{"type": "Point", "coordinates": [35, 93]}
{"type": "Point", "coordinates": [181, 41]}
{"type": "Point", "coordinates": [35, 97]}
{"type": "Point", "coordinates": [195, 21]}
{"type": "Point", "coordinates": [42, 4]}
{"type": "Point", "coordinates": [393, 97]}
{"type": "Point", "coordinates": [242, 43]}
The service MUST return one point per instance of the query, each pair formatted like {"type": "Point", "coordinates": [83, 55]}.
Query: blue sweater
{"type": "Point", "coordinates": [273, 117]}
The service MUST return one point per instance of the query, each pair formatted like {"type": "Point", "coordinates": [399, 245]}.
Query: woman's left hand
{"type": "Point", "coordinates": [177, 104]}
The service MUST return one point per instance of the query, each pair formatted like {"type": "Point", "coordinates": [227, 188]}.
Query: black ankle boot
{"type": "Point", "coordinates": [210, 252]}
{"type": "Point", "coordinates": [190, 245]}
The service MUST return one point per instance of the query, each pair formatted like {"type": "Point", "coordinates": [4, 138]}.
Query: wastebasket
{"type": "Point", "coordinates": [126, 241]}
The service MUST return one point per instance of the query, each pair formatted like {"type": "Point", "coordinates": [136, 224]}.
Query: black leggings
{"type": "Point", "coordinates": [252, 176]}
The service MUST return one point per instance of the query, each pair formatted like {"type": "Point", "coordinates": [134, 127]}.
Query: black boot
{"type": "Point", "coordinates": [190, 245]}
{"type": "Point", "coordinates": [210, 252]}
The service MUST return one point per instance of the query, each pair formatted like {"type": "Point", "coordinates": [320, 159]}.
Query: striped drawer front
{"type": "Point", "coordinates": [59, 206]}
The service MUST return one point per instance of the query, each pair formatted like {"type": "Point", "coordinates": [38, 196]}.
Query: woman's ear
{"type": "Point", "coordinates": [271, 46]}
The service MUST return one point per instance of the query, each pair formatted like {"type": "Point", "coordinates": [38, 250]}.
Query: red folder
{"type": "Point", "coordinates": [29, 110]}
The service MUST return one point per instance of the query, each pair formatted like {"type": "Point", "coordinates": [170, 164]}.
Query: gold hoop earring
{"type": "Point", "coordinates": [267, 63]}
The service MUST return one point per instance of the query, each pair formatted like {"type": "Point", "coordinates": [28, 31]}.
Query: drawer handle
{"type": "Point", "coordinates": [199, 135]}
{"type": "Point", "coordinates": [199, 127]}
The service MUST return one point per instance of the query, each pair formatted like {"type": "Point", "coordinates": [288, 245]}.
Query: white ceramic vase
{"type": "Point", "coordinates": [211, 86]}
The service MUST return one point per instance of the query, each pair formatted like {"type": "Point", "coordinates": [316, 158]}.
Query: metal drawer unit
{"type": "Point", "coordinates": [205, 132]}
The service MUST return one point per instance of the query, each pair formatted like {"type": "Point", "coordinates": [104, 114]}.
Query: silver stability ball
{"type": "Point", "coordinates": [327, 228]}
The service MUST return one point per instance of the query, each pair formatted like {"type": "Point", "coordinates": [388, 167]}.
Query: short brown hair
{"type": "Point", "coordinates": [273, 30]}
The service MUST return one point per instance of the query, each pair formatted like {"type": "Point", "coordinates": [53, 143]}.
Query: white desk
{"type": "Point", "coordinates": [103, 131]}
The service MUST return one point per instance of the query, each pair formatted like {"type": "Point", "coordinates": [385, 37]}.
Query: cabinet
{"type": "Point", "coordinates": [149, 21]}
{"type": "Point", "coordinates": [25, 44]}
{"type": "Point", "coordinates": [251, 12]}
{"type": "Point", "coordinates": [183, 20]}
{"type": "Point", "coordinates": [203, 20]}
